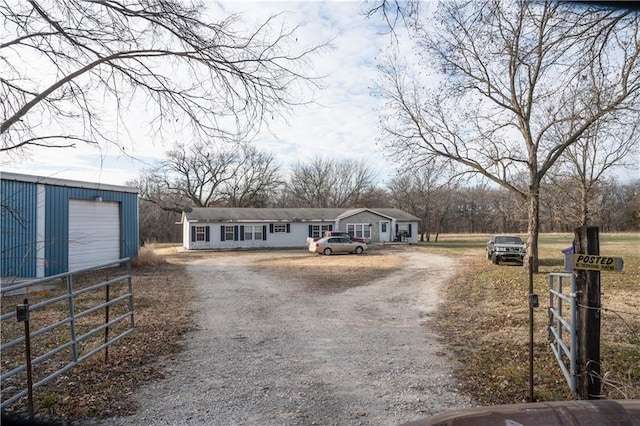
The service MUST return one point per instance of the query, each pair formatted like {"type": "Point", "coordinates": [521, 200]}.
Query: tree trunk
{"type": "Point", "coordinates": [533, 228]}
{"type": "Point", "coordinates": [584, 201]}
{"type": "Point", "coordinates": [427, 227]}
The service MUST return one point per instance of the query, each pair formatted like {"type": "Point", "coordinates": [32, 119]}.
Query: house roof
{"type": "Point", "coordinates": [397, 214]}
{"type": "Point", "coordinates": [236, 214]}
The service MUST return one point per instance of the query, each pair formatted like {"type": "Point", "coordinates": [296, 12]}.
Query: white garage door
{"type": "Point", "coordinates": [94, 233]}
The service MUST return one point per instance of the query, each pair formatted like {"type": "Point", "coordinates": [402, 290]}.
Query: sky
{"type": "Point", "coordinates": [341, 124]}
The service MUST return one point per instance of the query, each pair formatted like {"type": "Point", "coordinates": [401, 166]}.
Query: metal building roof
{"type": "Point", "coordinates": [66, 182]}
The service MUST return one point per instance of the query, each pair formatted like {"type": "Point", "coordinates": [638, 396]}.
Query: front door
{"type": "Point", "coordinates": [384, 231]}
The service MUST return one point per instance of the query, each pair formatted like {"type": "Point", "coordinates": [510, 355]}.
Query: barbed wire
{"type": "Point", "coordinates": [617, 313]}
{"type": "Point", "coordinates": [635, 314]}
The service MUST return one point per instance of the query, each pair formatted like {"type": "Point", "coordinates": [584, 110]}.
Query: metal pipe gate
{"type": "Point", "coordinates": [564, 350]}
{"type": "Point", "coordinates": [68, 324]}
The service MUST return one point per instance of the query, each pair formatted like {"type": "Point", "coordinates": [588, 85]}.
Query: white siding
{"type": "Point", "coordinates": [186, 227]}
{"type": "Point", "coordinates": [94, 233]}
{"type": "Point", "coordinates": [40, 232]}
{"type": "Point", "coordinates": [296, 237]}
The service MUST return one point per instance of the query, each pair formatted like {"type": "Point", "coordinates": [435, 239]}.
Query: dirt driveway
{"type": "Point", "coordinates": [276, 347]}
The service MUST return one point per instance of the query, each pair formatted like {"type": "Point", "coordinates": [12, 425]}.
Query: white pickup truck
{"type": "Point", "coordinates": [506, 248]}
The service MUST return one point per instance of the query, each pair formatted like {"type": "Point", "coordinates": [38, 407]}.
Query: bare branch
{"type": "Point", "coordinates": [507, 88]}
{"type": "Point", "coordinates": [211, 76]}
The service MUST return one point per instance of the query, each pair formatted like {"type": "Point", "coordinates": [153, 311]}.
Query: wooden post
{"type": "Point", "coordinates": [588, 285]}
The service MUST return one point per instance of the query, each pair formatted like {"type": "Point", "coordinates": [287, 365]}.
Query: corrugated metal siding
{"type": "Point", "coordinates": [18, 228]}
{"type": "Point", "coordinates": [129, 225]}
{"type": "Point", "coordinates": [56, 230]}
{"type": "Point", "coordinates": [57, 223]}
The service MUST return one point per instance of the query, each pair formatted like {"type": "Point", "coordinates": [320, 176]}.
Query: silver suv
{"type": "Point", "coordinates": [506, 248]}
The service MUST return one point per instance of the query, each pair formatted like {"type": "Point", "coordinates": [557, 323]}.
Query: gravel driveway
{"type": "Point", "coordinates": [268, 352]}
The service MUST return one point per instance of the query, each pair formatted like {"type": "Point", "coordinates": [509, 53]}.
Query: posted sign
{"type": "Point", "coordinates": [597, 263]}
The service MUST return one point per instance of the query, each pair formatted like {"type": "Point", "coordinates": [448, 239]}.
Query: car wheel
{"type": "Point", "coordinates": [494, 259]}
{"type": "Point", "coordinates": [327, 251]}
{"type": "Point", "coordinates": [359, 250]}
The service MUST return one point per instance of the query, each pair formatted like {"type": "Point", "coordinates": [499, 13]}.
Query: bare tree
{"type": "Point", "coordinates": [515, 84]}
{"type": "Point", "coordinates": [418, 191]}
{"type": "Point", "coordinates": [329, 183]}
{"type": "Point", "coordinates": [586, 163]}
{"type": "Point", "coordinates": [623, 206]}
{"type": "Point", "coordinates": [208, 175]}
{"type": "Point", "coordinates": [376, 197]}
{"type": "Point", "coordinates": [256, 182]}
{"type": "Point", "coordinates": [73, 70]}
{"type": "Point", "coordinates": [157, 225]}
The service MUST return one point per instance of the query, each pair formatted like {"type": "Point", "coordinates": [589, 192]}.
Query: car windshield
{"type": "Point", "coordinates": [509, 240]}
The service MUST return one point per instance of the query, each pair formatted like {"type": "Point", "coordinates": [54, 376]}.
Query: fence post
{"type": "Point", "coordinates": [532, 304]}
{"type": "Point", "coordinates": [22, 315]}
{"type": "Point", "coordinates": [106, 321]}
{"type": "Point", "coordinates": [72, 317]}
{"type": "Point", "coordinates": [588, 285]}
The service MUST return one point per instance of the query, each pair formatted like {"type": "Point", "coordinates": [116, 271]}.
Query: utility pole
{"type": "Point", "coordinates": [588, 285]}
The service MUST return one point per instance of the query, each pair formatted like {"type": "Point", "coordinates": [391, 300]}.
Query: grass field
{"type": "Point", "coordinates": [485, 320]}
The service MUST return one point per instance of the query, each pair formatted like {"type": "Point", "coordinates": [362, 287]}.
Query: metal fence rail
{"type": "Point", "coordinates": [565, 351]}
{"type": "Point", "coordinates": [70, 322]}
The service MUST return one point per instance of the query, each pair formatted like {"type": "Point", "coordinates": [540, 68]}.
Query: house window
{"type": "Point", "coordinates": [383, 227]}
{"type": "Point", "coordinates": [228, 233]}
{"type": "Point", "coordinates": [279, 228]}
{"type": "Point", "coordinates": [252, 232]}
{"type": "Point", "coordinates": [200, 233]}
{"type": "Point", "coordinates": [317, 231]}
{"type": "Point", "coordinates": [403, 230]}
{"type": "Point", "coordinates": [359, 230]}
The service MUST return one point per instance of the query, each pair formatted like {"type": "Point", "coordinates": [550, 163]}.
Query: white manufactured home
{"type": "Point", "coordinates": [232, 228]}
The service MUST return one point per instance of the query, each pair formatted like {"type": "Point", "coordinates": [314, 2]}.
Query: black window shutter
{"type": "Point", "coordinates": [310, 230]}
{"type": "Point", "coordinates": [330, 227]}
{"type": "Point", "coordinates": [193, 233]}
{"type": "Point", "coordinates": [288, 228]}
{"type": "Point", "coordinates": [222, 235]}
{"type": "Point", "coordinates": [264, 232]}
{"type": "Point", "coordinates": [241, 232]}
{"type": "Point", "coordinates": [271, 228]}
{"type": "Point", "coordinates": [207, 234]}
{"type": "Point", "coordinates": [396, 229]}
{"type": "Point", "coordinates": [409, 230]}
{"type": "Point", "coordinates": [235, 233]}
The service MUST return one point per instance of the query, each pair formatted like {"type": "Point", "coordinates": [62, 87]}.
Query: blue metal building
{"type": "Point", "coordinates": [50, 226]}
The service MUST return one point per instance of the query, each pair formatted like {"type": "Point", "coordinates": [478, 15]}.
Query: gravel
{"type": "Point", "coordinates": [266, 351]}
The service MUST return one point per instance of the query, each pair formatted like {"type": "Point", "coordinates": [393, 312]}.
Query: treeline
{"type": "Point", "coordinates": [249, 178]}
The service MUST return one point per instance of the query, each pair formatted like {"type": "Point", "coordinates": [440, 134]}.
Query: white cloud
{"type": "Point", "coordinates": [343, 122]}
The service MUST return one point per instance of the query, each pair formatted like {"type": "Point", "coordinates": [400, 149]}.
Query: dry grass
{"type": "Point", "coordinates": [488, 304]}
{"type": "Point", "coordinates": [331, 274]}
{"type": "Point", "coordinates": [96, 388]}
